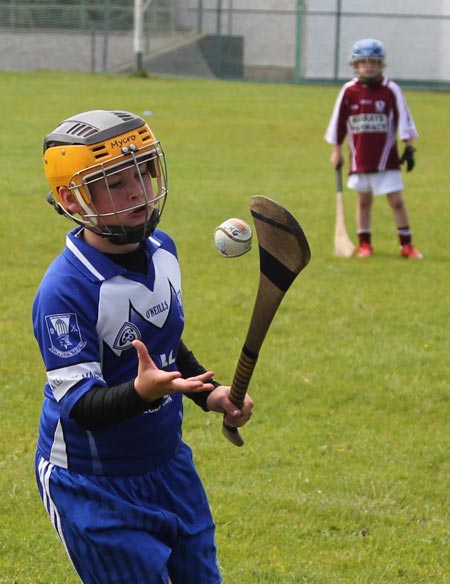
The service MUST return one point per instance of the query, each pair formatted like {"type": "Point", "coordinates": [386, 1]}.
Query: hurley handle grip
{"type": "Point", "coordinates": [239, 386]}
{"type": "Point", "coordinates": [339, 179]}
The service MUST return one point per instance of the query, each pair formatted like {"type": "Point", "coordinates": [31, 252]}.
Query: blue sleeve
{"type": "Point", "coordinates": [64, 323]}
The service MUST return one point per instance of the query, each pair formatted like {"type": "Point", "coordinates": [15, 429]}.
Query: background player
{"type": "Point", "coordinates": [371, 110]}
{"type": "Point", "coordinates": [115, 476]}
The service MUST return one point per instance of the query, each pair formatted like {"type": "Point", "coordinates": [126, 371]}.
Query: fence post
{"type": "Point", "coordinates": [199, 16]}
{"type": "Point", "coordinates": [105, 36]}
{"type": "Point", "coordinates": [298, 42]}
{"type": "Point", "coordinates": [93, 49]}
{"type": "Point", "coordinates": [12, 14]}
{"type": "Point", "coordinates": [230, 18]}
{"type": "Point", "coordinates": [138, 34]}
{"type": "Point", "coordinates": [337, 40]}
{"type": "Point", "coordinates": [219, 38]}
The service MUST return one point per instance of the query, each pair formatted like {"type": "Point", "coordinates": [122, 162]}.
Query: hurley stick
{"type": "Point", "coordinates": [343, 246]}
{"type": "Point", "coordinates": [283, 253]}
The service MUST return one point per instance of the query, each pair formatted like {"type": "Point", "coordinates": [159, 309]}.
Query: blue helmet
{"type": "Point", "coordinates": [367, 49]}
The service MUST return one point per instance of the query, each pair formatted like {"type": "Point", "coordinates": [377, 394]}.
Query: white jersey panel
{"type": "Point", "coordinates": [406, 126]}
{"type": "Point", "coordinates": [118, 294]}
{"type": "Point", "coordinates": [58, 454]}
{"type": "Point", "coordinates": [62, 380]}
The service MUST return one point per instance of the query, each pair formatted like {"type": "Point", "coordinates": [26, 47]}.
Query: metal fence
{"type": "Point", "coordinates": [276, 40]}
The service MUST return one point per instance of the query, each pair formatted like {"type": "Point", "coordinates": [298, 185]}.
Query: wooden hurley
{"type": "Point", "coordinates": [283, 253]}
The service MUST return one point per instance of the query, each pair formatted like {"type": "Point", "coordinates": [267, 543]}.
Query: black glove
{"type": "Point", "coordinates": [408, 157]}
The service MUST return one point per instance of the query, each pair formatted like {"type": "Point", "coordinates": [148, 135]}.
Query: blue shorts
{"type": "Point", "coordinates": [134, 529]}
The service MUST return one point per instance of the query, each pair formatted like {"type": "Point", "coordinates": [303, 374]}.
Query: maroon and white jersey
{"type": "Point", "coordinates": [371, 118]}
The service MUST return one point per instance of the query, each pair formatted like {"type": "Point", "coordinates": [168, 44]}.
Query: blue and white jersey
{"type": "Point", "coordinates": [86, 313]}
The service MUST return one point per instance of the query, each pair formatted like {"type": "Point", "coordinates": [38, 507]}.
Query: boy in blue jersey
{"type": "Point", "coordinates": [114, 474]}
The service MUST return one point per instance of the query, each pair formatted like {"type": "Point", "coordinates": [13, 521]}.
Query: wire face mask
{"type": "Point", "coordinates": [149, 170]}
{"type": "Point", "coordinates": [96, 162]}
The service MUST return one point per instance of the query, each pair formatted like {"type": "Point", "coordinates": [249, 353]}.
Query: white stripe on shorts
{"type": "Point", "coordinates": [45, 469]}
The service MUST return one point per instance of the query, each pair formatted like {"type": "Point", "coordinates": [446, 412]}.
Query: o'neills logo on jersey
{"type": "Point", "coordinates": [157, 309]}
{"type": "Point", "coordinates": [368, 123]}
{"type": "Point", "coordinates": [121, 142]}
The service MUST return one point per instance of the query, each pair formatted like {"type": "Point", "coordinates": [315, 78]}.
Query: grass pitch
{"type": "Point", "coordinates": [344, 477]}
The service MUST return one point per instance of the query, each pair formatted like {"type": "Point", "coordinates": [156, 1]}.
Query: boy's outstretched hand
{"type": "Point", "coordinates": [152, 383]}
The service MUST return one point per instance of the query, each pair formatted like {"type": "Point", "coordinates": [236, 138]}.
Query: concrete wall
{"type": "Point", "coordinates": [278, 43]}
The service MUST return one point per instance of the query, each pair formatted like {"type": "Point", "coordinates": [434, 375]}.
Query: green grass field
{"type": "Point", "coordinates": [344, 477]}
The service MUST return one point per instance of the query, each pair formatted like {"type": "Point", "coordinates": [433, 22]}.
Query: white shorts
{"type": "Point", "coordinates": [377, 183]}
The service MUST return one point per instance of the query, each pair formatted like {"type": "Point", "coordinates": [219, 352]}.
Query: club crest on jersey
{"type": "Point", "coordinates": [127, 334]}
{"type": "Point", "coordinates": [65, 334]}
{"type": "Point", "coordinates": [379, 105]}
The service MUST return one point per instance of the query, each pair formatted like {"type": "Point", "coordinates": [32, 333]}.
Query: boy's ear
{"type": "Point", "coordinates": [68, 200]}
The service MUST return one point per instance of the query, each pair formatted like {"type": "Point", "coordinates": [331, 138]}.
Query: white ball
{"type": "Point", "coordinates": [233, 238]}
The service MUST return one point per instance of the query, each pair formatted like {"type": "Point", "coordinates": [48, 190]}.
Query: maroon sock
{"type": "Point", "coordinates": [364, 237]}
{"type": "Point", "coordinates": [404, 235]}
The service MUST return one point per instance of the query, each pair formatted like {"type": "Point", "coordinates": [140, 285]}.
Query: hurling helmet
{"type": "Point", "coordinates": [94, 145]}
{"type": "Point", "coordinates": [367, 49]}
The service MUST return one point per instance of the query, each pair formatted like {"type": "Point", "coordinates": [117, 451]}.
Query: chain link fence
{"type": "Point", "coordinates": [295, 41]}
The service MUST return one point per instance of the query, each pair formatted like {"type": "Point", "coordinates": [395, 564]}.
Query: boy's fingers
{"type": "Point", "coordinates": [143, 354]}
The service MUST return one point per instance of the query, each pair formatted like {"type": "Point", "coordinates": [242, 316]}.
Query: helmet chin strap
{"type": "Point", "coordinates": [370, 81]}
{"type": "Point", "coordinates": [124, 235]}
